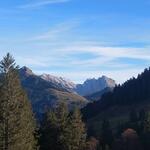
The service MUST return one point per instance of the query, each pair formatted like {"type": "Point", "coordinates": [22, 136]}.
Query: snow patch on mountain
{"type": "Point", "coordinates": [91, 86]}
{"type": "Point", "coordinates": [64, 83]}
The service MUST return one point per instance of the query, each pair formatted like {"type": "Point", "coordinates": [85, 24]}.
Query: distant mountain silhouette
{"type": "Point", "coordinates": [91, 86]}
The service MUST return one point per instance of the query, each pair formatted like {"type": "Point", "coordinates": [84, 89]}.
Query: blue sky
{"type": "Point", "coordinates": [77, 39]}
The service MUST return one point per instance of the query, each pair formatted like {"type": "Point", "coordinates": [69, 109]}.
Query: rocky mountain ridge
{"type": "Point", "coordinates": [46, 91]}
{"type": "Point", "coordinates": [60, 81]}
{"type": "Point", "coordinates": [91, 86]}
{"type": "Point", "coordinates": [45, 95]}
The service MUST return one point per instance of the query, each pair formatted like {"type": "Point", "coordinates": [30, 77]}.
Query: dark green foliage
{"type": "Point", "coordinates": [143, 115]}
{"type": "Point", "coordinates": [134, 121]}
{"type": "Point", "coordinates": [17, 125]}
{"type": "Point", "coordinates": [76, 135]}
{"type": "Point", "coordinates": [53, 127]}
{"type": "Point", "coordinates": [133, 116]}
{"type": "Point", "coordinates": [106, 136]}
{"type": "Point", "coordinates": [131, 135]}
{"type": "Point", "coordinates": [62, 131]}
{"type": "Point", "coordinates": [145, 130]}
{"type": "Point", "coordinates": [116, 105]}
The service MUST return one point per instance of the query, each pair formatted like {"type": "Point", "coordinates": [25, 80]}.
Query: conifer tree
{"type": "Point", "coordinates": [133, 116]}
{"type": "Point", "coordinates": [133, 120]}
{"type": "Point", "coordinates": [62, 131]}
{"type": "Point", "coordinates": [17, 125]}
{"type": "Point", "coordinates": [143, 115]}
{"type": "Point", "coordinates": [145, 133]}
{"type": "Point", "coordinates": [53, 128]}
{"type": "Point", "coordinates": [146, 125]}
{"type": "Point", "coordinates": [76, 135]}
{"type": "Point", "coordinates": [143, 120]}
{"type": "Point", "coordinates": [107, 135]}
{"type": "Point", "coordinates": [48, 132]}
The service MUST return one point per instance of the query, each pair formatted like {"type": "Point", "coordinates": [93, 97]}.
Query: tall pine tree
{"type": "Point", "coordinates": [107, 135]}
{"type": "Point", "coordinates": [53, 128]}
{"type": "Point", "coordinates": [76, 133]}
{"type": "Point", "coordinates": [63, 131]}
{"type": "Point", "coordinates": [17, 124]}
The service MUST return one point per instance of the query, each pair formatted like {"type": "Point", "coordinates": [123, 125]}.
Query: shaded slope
{"type": "Point", "coordinates": [97, 96]}
{"type": "Point", "coordinates": [44, 94]}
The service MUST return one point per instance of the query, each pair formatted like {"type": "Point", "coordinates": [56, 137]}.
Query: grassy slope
{"type": "Point", "coordinates": [68, 97]}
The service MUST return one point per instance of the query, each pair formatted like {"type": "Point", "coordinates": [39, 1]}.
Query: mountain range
{"type": "Point", "coordinates": [46, 91]}
{"type": "Point", "coordinates": [90, 86]}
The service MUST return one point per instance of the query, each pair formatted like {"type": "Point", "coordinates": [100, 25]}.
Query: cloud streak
{"type": "Point", "coordinates": [56, 31]}
{"type": "Point", "coordinates": [61, 51]}
{"type": "Point", "coordinates": [41, 3]}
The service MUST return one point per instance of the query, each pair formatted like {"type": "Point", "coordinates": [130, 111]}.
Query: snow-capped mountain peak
{"type": "Point", "coordinates": [89, 86]}
{"type": "Point", "coordinates": [64, 83]}
{"type": "Point", "coordinates": [94, 85]}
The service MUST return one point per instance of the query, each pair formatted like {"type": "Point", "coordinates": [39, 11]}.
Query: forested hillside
{"type": "Point", "coordinates": [122, 114]}
{"type": "Point", "coordinates": [133, 91]}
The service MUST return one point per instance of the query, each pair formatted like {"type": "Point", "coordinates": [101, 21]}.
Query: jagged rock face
{"type": "Point", "coordinates": [45, 93]}
{"type": "Point", "coordinates": [62, 82]}
{"type": "Point", "coordinates": [91, 86]}
{"type": "Point", "coordinates": [25, 71]}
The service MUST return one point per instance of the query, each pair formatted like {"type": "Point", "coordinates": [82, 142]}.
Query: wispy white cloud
{"type": "Point", "coordinates": [50, 60]}
{"type": "Point", "coordinates": [55, 53]}
{"type": "Point", "coordinates": [60, 40]}
{"type": "Point", "coordinates": [40, 3]}
{"type": "Point", "coordinates": [60, 48]}
{"type": "Point", "coordinates": [79, 69]}
{"type": "Point", "coordinates": [111, 52]}
{"type": "Point", "coordinates": [56, 32]}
